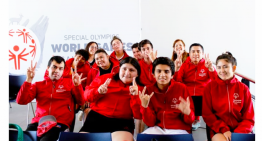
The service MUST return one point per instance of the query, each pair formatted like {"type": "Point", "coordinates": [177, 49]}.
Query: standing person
{"type": "Point", "coordinates": [115, 102]}
{"type": "Point", "coordinates": [54, 96]}
{"type": "Point", "coordinates": [147, 76]}
{"type": "Point", "coordinates": [179, 51]}
{"type": "Point", "coordinates": [169, 108]}
{"type": "Point", "coordinates": [227, 103]}
{"type": "Point", "coordinates": [196, 72]}
{"type": "Point", "coordinates": [79, 62]}
{"type": "Point", "coordinates": [119, 53]}
{"type": "Point", "coordinates": [137, 51]}
{"type": "Point", "coordinates": [91, 48]}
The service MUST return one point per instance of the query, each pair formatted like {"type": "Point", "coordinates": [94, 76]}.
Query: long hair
{"type": "Point", "coordinates": [184, 55]}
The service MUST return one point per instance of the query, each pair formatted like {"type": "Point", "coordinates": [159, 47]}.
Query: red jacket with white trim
{"type": "Point", "coordinates": [162, 111]}
{"type": "Point", "coordinates": [195, 77]}
{"type": "Point", "coordinates": [117, 102]}
{"type": "Point", "coordinates": [95, 72]}
{"type": "Point", "coordinates": [146, 77]}
{"type": "Point", "coordinates": [82, 69]}
{"type": "Point", "coordinates": [113, 54]}
{"type": "Point", "coordinates": [53, 98]}
{"type": "Point", "coordinates": [227, 106]}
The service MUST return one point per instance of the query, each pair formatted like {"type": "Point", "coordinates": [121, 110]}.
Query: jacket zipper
{"type": "Point", "coordinates": [195, 83]}
{"type": "Point", "coordinates": [51, 98]}
{"type": "Point", "coordinates": [229, 106]}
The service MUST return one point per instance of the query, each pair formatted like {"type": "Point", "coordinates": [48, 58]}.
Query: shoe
{"type": "Point", "coordinates": [195, 126]}
{"type": "Point", "coordinates": [80, 115]}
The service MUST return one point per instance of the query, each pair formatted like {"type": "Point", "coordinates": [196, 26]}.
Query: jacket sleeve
{"type": "Point", "coordinates": [135, 105]}
{"type": "Point", "coordinates": [46, 76]}
{"type": "Point", "coordinates": [26, 93]}
{"type": "Point", "coordinates": [78, 93]}
{"type": "Point", "coordinates": [89, 78]}
{"type": "Point", "coordinates": [248, 120]}
{"type": "Point", "coordinates": [212, 75]}
{"type": "Point", "coordinates": [178, 76]}
{"type": "Point", "coordinates": [191, 117]}
{"type": "Point", "coordinates": [209, 117]}
{"type": "Point", "coordinates": [91, 92]}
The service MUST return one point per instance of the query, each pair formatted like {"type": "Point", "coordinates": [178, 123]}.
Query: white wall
{"type": "Point", "coordinates": [217, 25]}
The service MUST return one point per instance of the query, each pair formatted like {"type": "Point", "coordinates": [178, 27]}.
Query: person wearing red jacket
{"type": "Point", "coordinates": [137, 52]}
{"type": "Point", "coordinates": [104, 64]}
{"type": "Point", "coordinates": [115, 102]}
{"type": "Point", "coordinates": [91, 48]}
{"type": "Point", "coordinates": [119, 53]}
{"type": "Point", "coordinates": [227, 103]}
{"type": "Point", "coordinates": [147, 76]}
{"type": "Point", "coordinates": [54, 96]}
{"type": "Point", "coordinates": [169, 108]}
{"type": "Point", "coordinates": [78, 62]}
{"type": "Point", "coordinates": [196, 72]}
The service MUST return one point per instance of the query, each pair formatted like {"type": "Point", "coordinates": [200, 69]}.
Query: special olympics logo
{"type": "Point", "coordinates": [23, 47]}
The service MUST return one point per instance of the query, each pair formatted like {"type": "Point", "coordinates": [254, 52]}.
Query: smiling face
{"type": "Point", "coordinates": [117, 45]}
{"type": "Point", "coordinates": [92, 48]}
{"type": "Point", "coordinates": [102, 60]}
{"type": "Point", "coordinates": [137, 53]}
{"type": "Point", "coordinates": [146, 49]}
{"type": "Point", "coordinates": [179, 48]}
{"type": "Point", "coordinates": [55, 71]}
{"type": "Point", "coordinates": [163, 75]}
{"type": "Point", "coordinates": [225, 70]}
{"type": "Point", "coordinates": [196, 54]}
{"type": "Point", "coordinates": [78, 57]}
{"type": "Point", "coordinates": [127, 72]}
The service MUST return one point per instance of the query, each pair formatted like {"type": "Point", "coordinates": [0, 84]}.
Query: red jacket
{"type": "Point", "coordinates": [95, 72]}
{"type": "Point", "coordinates": [195, 77]}
{"type": "Point", "coordinates": [161, 110]}
{"type": "Point", "coordinates": [113, 54]}
{"type": "Point", "coordinates": [84, 69]}
{"type": "Point", "coordinates": [117, 102]}
{"type": "Point", "coordinates": [146, 77]}
{"type": "Point", "coordinates": [227, 105]}
{"type": "Point", "coordinates": [57, 101]}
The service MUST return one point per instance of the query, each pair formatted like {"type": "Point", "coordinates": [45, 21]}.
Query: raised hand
{"type": "Point", "coordinates": [31, 72]}
{"type": "Point", "coordinates": [76, 78]}
{"type": "Point", "coordinates": [208, 63]}
{"type": "Point", "coordinates": [103, 88]}
{"type": "Point", "coordinates": [152, 55]}
{"type": "Point", "coordinates": [77, 61]}
{"type": "Point", "coordinates": [227, 135]}
{"type": "Point", "coordinates": [178, 62]}
{"type": "Point", "coordinates": [134, 89]}
{"type": "Point", "coordinates": [145, 98]}
{"type": "Point", "coordinates": [184, 106]}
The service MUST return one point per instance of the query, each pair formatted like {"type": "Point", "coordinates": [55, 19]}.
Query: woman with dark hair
{"type": "Point", "coordinates": [115, 102]}
{"type": "Point", "coordinates": [91, 48]}
{"type": "Point", "coordinates": [227, 103]}
{"type": "Point", "coordinates": [117, 45]}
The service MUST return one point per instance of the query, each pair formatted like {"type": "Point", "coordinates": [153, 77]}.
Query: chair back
{"type": "Point", "coordinates": [154, 137]}
{"type": "Point", "coordinates": [69, 136]}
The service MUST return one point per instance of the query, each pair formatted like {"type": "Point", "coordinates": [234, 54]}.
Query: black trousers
{"type": "Point", "coordinates": [51, 135]}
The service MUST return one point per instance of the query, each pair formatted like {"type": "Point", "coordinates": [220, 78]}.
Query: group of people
{"type": "Point", "coordinates": [119, 93]}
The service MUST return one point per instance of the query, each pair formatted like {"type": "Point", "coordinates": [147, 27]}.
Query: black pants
{"type": "Point", "coordinates": [51, 135]}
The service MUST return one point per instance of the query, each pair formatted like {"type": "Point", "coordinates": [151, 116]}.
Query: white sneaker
{"type": "Point", "coordinates": [195, 126]}
{"type": "Point", "coordinates": [80, 115]}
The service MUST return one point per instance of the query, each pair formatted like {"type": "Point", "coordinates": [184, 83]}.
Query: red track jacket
{"type": "Point", "coordinates": [161, 110]}
{"type": "Point", "coordinates": [95, 72]}
{"type": "Point", "coordinates": [146, 77]}
{"type": "Point", "coordinates": [195, 77]}
{"type": "Point", "coordinates": [227, 105]}
{"type": "Point", "coordinates": [52, 98]}
{"type": "Point", "coordinates": [113, 54]}
{"type": "Point", "coordinates": [84, 69]}
{"type": "Point", "coordinates": [117, 102]}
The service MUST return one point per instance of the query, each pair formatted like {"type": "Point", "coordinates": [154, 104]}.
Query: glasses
{"type": "Point", "coordinates": [93, 47]}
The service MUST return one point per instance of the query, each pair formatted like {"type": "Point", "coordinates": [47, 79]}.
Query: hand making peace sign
{"type": "Point", "coordinates": [76, 78]}
{"type": "Point", "coordinates": [208, 63]}
{"type": "Point", "coordinates": [178, 63]}
{"type": "Point", "coordinates": [31, 72]}
{"type": "Point", "coordinates": [184, 106]}
{"type": "Point", "coordinates": [152, 55]}
{"type": "Point", "coordinates": [103, 88]}
{"type": "Point", "coordinates": [145, 98]}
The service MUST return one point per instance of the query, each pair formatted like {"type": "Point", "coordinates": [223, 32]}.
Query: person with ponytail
{"type": "Point", "coordinates": [227, 103]}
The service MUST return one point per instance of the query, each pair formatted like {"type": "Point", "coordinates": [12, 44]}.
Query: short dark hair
{"type": "Point", "coordinates": [100, 50]}
{"type": "Point", "coordinates": [134, 63]}
{"type": "Point", "coordinates": [115, 38]}
{"type": "Point", "coordinates": [83, 53]}
{"type": "Point", "coordinates": [164, 61]}
{"type": "Point", "coordinates": [228, 57]}
{"type": "Point", "coordinates": [196, 44]}
{"type": "Point", "coordinates": [88, 45]}
{"type": "Point", "coordinates": [58, 59]}
{"type": "Point", "coordinates": [143, 42]}
{"type": "Point", "coordinates": [135, 45]}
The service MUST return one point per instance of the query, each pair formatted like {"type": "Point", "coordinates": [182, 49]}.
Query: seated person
{"type": "Point", "coordinates": [166, 105]}
{"type": "Point", "coordinates": [119, 53]}
{"type": "Point", "coordinates": [54, 96]}
{"type": "Point", "coordinates": [114, 102]}
{"type": "Point", "coordinates": [227, 103]}
{"type": "Point", "coordinates": [79, 62]}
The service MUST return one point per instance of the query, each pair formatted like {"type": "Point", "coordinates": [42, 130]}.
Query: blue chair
{"type": "Point", "coordinates": [154, 137]}
{"type": "Point", "coordinates": [15, 82]}
{"type": "Point", "coordinates": [20, 135]}
{"type": "Point", "coordinates": [242, 137]}
{"type": "Point", "coordinates": [69, 136]}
